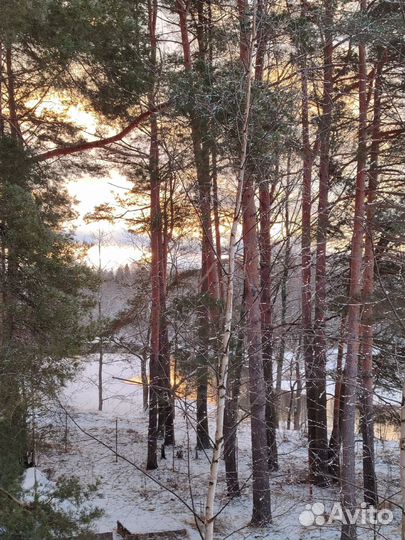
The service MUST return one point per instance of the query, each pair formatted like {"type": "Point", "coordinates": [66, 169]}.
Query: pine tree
{"type": "Point", "coordinates": [44, 300]}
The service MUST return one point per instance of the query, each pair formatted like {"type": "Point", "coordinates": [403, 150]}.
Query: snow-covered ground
{"type": "Point", "coordinates": [166, 498]}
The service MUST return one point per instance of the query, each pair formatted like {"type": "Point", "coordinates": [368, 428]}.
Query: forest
{"type": "Point", "coordinates": [238, 370]}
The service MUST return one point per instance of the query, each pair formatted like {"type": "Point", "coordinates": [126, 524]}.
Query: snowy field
{"type": "Point", "coordinates": [167, 498]}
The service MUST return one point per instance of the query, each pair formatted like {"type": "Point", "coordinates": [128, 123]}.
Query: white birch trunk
{"type": "Point", "coordinates": [209, 518]}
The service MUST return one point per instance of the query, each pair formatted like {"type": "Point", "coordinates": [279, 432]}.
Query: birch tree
{"type": "Point", "coordinates": [261, 492]}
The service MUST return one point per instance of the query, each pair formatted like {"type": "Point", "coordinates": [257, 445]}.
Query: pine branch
{"type": "Point", "coordinates": [101, 143]}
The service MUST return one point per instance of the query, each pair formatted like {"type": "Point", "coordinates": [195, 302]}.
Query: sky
{"type": "Point", "coordinates": [118, 247]}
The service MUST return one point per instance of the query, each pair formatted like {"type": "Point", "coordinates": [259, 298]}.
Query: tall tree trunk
{"type": "Point", "coordinates": [144, 378]}
{"type": "Point", "coordinates": [181, 8]}
{"type": "Point", "coordinates": [2, 247]}
{"type": "Point", "coordinates": [353, 315]}
{"type": "Point", "coordinates": [402, 461]}
{"type": "Point", "coordinates": [315, 472]}
{"type": "Point", "coordinates": [319, 350]}
{"type": "Point", "coordinates": [267, 330]}
{"type": "Point", "coordinates": [209, 287]}
{"type": "Point", "coordinates": [154, 362]}
{"type": "Point", "coordinates": [226, 338]}
{"type": "Point", "coordinates": [166, 396]}
{"type": "Point", "coordinates": [297, 406]}
{"type": "Point", "coordinates": [231, 414]}
{"type": "Point", "coordinates": [367, 422]}
{"type": "Point", "coordinates": [166, 410]}
{"type": "Point", "coordinates": [10, 262]}
{"type": "Point", "coordinates": [1, 90]}
{"type": "Point", "coordinates": [257, 387]}
{"type": "Point", "coordinates": [166, 402]}
{"type": "Point", "coordinates": [335, 438]}
{"type": "Point", "coordinates": [101, 341]}
{"type": "Point", "coordinates": [284, 279]}
{"type": "Point", "coordinates": [262, 39]}
{"type": "Point", "coordinates": [265, 265]}
{"type": "Point", "coordinates": [155, 224]}
{"type": "Point", "coordinates": [215, 200]}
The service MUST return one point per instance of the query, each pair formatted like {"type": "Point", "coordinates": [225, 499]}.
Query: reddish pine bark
{"type": "Point", "coordinates": [244, 35]}
{"type": "Point", "coordinates": [265, 265]}
{"type": "Point", "coordinates": [353, 316]}
{"type": "Point", "coordinates": [367, 423]}
{"type": "Point", "coordinates": [209, 287]}
{"type": "Point", "coordinates": [306, 302]}
{"type": "Point", "coordinates": [257, 388]}
{"type": "Point", "coordinates": [319, 350]}
{"type": "Point", "coordinates": [102, 143]}
{"type": "Point", "coordinates": [261, 39]}
{"type": "Point", "coordinates": [182, 12]}
{"type": "Point", "coordinates": [267, 330]}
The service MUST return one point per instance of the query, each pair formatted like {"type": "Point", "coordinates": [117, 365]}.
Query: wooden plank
{"type": "Point", "coordinates": [158, 535]}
